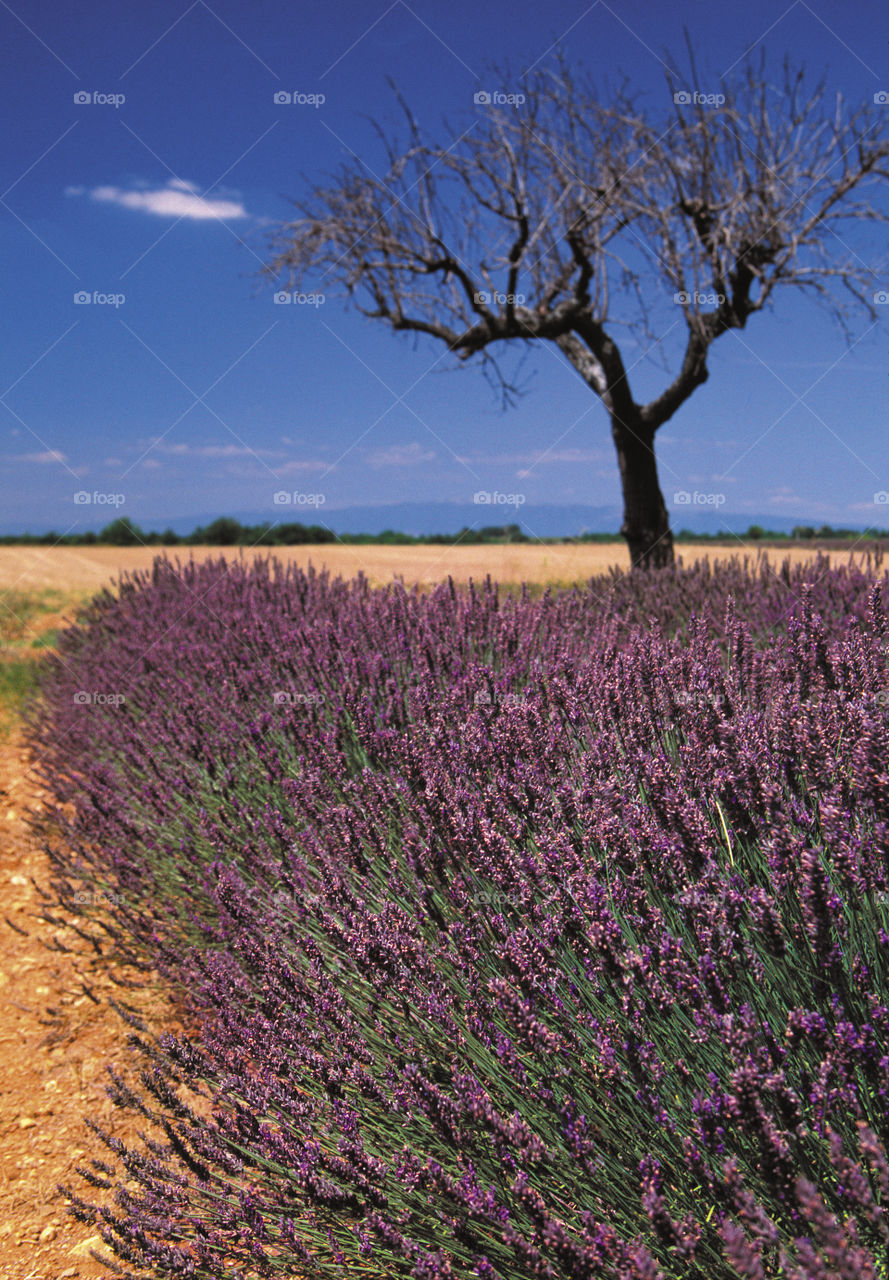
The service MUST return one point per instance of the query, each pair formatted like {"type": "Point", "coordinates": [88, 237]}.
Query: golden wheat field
{"type": "Point", "coordinates": [87, 569]}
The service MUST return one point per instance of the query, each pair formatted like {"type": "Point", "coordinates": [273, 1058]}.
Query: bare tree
{"type": "Point", "coordinates": [554, 215]}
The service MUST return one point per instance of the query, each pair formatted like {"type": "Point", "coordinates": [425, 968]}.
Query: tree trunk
{"type": "Point", "coordinates": [646, 525]}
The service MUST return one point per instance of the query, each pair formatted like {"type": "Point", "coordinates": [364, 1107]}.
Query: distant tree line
{"type": "Point", "coordinates": [228, 532]}
{"type": "Point", "coordinates": [806, 532]}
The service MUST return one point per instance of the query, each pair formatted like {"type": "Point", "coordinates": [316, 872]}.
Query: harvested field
{"type": "Point", "coordinates": [90, 568]}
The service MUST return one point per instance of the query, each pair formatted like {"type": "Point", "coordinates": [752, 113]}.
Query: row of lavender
{"type": "Point", "coordinates": [524, 937]}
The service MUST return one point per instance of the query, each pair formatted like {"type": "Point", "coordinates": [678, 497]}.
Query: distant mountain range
{"type": "Point", "coordinates": [539, 520]}
{"type": "Point", "coordinates": [424, 518]}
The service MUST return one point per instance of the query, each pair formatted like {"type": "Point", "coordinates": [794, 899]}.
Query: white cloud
{"type": "Point", "coordinates": [538, 458]}
{"type": "Point", "coordinates": [178, 199]}
{"type": "Point", "coordinates": [786, 497]}
{"type": "Point", "coordinates": [209, 450]}
{"type": "Point", "coordinates": [49, 455]}
{"type": "Point", "coordinates": [569, 455]}
{"type": "Point", "coordinates": [291, 468]}
{"type": "Point", "coordinates": [235, 451]}
{"type": "Point", "coordinates": [400, 455]}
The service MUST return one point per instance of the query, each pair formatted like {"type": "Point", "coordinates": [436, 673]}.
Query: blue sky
{"type": "Point", "coordinates": [181, 388]}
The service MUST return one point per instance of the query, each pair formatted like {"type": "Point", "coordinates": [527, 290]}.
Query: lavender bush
{"type": "Point", "coordinates": [524, 937]}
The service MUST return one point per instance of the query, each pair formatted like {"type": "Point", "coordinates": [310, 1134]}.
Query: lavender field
{"type": "Point", "coordinates": [522, 935]}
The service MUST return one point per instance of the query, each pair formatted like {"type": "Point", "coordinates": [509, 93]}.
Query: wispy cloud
{"type": "Point", "coordinates": [212, 450]}
{"type": "Point", "coordinates": [182, 449]}
{"type": "Point", "coordinates": [178, 199]}
{"type": "Point", "coordinates": [537, 458]}
{"type": "Point", "coordinates": [784, 496]}
{"type": "Point", "coordinates": [48, 456]}
{"type": "Point", "coordinates": [400, 455]}
{"type": "Point", "coordinates": [295, 466]}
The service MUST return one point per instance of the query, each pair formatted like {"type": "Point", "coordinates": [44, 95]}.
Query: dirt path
{"type": "Point", "coordinates": [55, 1044]}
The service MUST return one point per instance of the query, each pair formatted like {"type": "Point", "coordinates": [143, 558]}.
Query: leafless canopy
{"type": "Point", "coordinates": [541, 219]}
